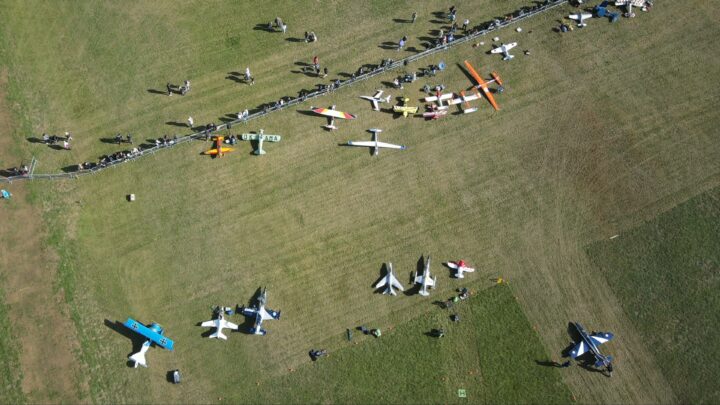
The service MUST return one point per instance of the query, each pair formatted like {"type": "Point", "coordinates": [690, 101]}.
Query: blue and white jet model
{"type": "Point", "coordinates": [590, 343]}
{"type": "Point", "coordinates": [260, 313]}
{"type": "Point", "coordinates": [154, 334]}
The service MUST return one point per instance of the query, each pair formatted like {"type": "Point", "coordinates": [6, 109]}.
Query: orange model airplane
{"type": "Point", "coordinates": [483, 85]}
{"type": "Point", "coordinates": [219, 150]}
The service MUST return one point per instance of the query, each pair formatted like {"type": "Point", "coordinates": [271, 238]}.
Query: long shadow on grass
{"type": "Point", "coordinates": [295, 39]}
{"type": "Point", "coordinates": [153, 91]}
{"type": "Point", "coordinates": [137, 340]}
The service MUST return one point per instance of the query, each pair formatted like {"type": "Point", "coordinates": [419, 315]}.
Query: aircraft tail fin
{"type": "Point", "coordinates": [138, 359]}
{"type": "Point", "coordinates": [218, 335]}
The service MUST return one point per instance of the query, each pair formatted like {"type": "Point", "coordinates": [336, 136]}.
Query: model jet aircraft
{"type": "Point", "coordinates": [376, 99]}
{"type": "Point", "coordinates": [505, 50]}
{"type": "Point", "coordinates": [375, 144]}
{"type": "Point", "coordinates": [466, 100]}
{"type": "Point", "coordinates": [405, 109]}
{"type": "Point", "coordinates": [260, 313]}
{"type": "Point", "coordinates": [331, 113]}
{"type": "Point", "coordinates": [389, 281]}
{"type": "Point", "coordinates": [580, 18]}
{"type": "Point", "coordinates": [219, 150]}
{"type": "Point", "coordinates": [154, 334]}
{"type": "Point", "coordinates": [484, 85]}
{"type": "Point", "coordinates": [260, 138]}
{"type": "Point", "coordinates": [219, 323]}
{"type": "Point", "coordinates": [460, 268]}
{"type": "Point", "coordinates": [425, 279]}
{"type": "Point", "coordinates": [589, 343]}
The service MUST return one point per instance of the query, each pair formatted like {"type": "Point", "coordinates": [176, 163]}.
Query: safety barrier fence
{"type": "Point", "coordinates": [478, 31]}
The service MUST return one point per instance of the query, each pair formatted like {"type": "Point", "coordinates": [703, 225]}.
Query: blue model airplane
{"type": "Point", "coordinates": [154, 334]}
{"type": "Point", "coordinates": [590, 342]}
{"type": "Point", "coordinates": [260, 313]}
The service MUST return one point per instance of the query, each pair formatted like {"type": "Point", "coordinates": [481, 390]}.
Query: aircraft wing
{"type": "Point", "coordinates": [579, 349]}
{"type": "Point", "coordinates": [361, 143]}
{"type": "Point", "coordinates": [389, 145]}
{"type": "Point", "coordinates": [227, 324]}
{"type": "Point", "coordinates": [395, 283]}
{"type": "Point", "coordinates": [382, 282]}
{"type": "Point", "coordinates": [209, 324]}
{"type": "Point", "coordinates": [499, 49]}
{"type": "Point", "coordinates": [452, 265]}
{"type": "Point", "coordinates": [143, 330]}
{"type": "Point", "coordinates": [601, 337]}
{"type": "Point", "coordinates": [490, 98]}
{"type": "Point", "coordinates": [430, 282]}
{"type": "Point", "coordinates": [475, 75]}
{"type": "Point", "coordinates": [265, 315]}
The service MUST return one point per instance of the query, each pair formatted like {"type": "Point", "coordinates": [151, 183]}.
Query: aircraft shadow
{"type": "Point", "coordinates": [137, 340]}
{"type": "Point", "coordinates": [383, 267]}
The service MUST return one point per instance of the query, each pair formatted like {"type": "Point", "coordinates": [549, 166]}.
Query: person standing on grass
{"type": "Point", "coordinates": [414, 17]}
{"type": "Point", "coordinates": [191, 122]}
{"type": "Point", "coordinates": [284, 28]}
{"type": "Point", "coordinates": [465, 24]}
{"type": "Point", "coordinates": [401, 44]}
{"type": "Point", "coordinates": [247, 74]}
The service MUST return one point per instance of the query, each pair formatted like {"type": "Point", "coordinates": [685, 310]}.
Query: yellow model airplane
{"type": "Point", "coordinates": [405, 109]}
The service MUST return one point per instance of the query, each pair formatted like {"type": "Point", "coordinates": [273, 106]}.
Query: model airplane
{"type": "Point", "coordinates": [433, 113]}
{"type": "Point", "coordinates": [389, 281]}
{"type": "Point", "coordinates": [260, 138]}
{"type": "Point", "coordinates": [460, 268]}
{"type": "Point", "coordinates": [218, 150]}
{"type": "Point", "coordinates": [505, 50]}
{"type": "Point", "coordinates": [483, 85]}
{"type": "Point", "coordinates": [580, 18]}
{"type": "Point", "coordinates": [590, 342]}
{"type": "Point", "coordinates": [375, 144]}
{"type": "Point", "coordinates": [425, 279]}
{"type": "Point", "coordinates": [439, 98]}
{"type": "Point", "coordinates": [376, 99]}
{"type": "Point", "coordinates": [331, 113]}
{"type": "Point", "coordinates": [260, 313]}
{"type": "Point", "coordinates": [219, 323]}
{"type": "Point", "coordinates": [154, 334]}
{"type": "Point", "coordinates": [405, 109]}
{"type": "Point", "coordinates": [466, 100]}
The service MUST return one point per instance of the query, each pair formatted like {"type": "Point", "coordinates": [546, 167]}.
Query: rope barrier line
{"type": "Point", "coordinates": [490, 26]}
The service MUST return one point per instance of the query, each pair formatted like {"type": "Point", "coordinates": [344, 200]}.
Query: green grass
{"type": "Point", "coordinates": [490, 353]}
{"type": "Point", "coordinates": [587, 144]}
{"type": "Point", "coordinates": [666, 276]}
{"type": "Point", "coordinates": [10, 373]}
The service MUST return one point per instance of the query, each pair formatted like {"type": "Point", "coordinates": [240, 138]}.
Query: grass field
{"type": "Point", "coordinates": [665, 272]}
{"type": "Point", "coordinates": [600, 130]}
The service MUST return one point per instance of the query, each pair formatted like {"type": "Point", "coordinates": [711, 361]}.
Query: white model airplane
{"type": "Point", "coordinates": [466, 99]}
{"type": "Point", "coordinates": [439, 98]}
{"type": "Point", "coordinates": [377, 99]}
{"type": "Point", "coordinates": [375, 144]}
{"type": "Point", "coordinates": [260, 313]}
{"type": "Point", "coordinates": [389, 281]}
{"type": "Point", "coordinates": [460, 268]}
{"type": "Point", "coordinates": [580, 18]}
{"type": "Point", "coordinates": [425, 280]}
{"type": "Point", "coordinates": [505, 50]}
{"type": "Point", "coordinates": [219, 323]}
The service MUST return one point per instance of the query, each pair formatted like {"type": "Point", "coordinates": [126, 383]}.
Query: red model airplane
{"type": "Point", "coordinates": [483, 85]}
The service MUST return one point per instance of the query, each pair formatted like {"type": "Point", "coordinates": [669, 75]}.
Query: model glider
{"type": "Point", "coordinates": [466, 100]}
{"type": "Point", "coordinates": [580, 18]}
{"type": "Point", "coordinates": [153, 334]}
{"type": "Point", "coordinates": [260, 137]}
{"type": "Point", "coordinates": [389, 281]}
{"type": "Point", "coordinates": [219, 150]}
{"type": "Point", "coordinates": [375, 144]}
{"type": "Point", "coordinates": [460, 267]}
{"type": "Point", "coordinates": [589, 343]}
{"type": "Point", "coordinates": [376, 99]}
{"type": "Point", "coordinates": [425, 279]}
{"type": "Point", "coordinates": [260, 313]}
{"type": "Point", "coordinates": [484, 85]}
{"type": "Point", "coordinates": [219, 323]}
{"type": "Point", "coordinates": [404, 108]}
{"type": "Point", "coordinates": [331, 113]}
{"type": "Point", "coordinates": [505, 50]}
